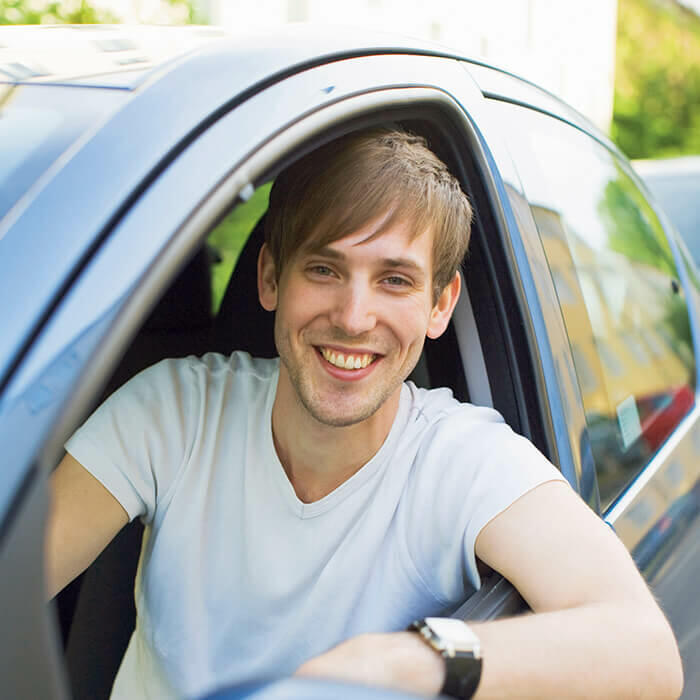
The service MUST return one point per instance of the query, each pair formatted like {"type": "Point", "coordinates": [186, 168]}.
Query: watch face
{"type": "Point", "coordinates": [454, 633]}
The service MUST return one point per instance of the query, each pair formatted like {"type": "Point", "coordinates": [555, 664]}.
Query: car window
{"type": "Point", "coordinates": [616, 280]}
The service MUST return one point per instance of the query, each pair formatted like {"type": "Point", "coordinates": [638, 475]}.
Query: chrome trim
{"type": "Point", "coordinates": [683, 429]}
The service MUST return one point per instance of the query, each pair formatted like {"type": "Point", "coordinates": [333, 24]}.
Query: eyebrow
{"type": "Point", "coordinates": [403, 263]}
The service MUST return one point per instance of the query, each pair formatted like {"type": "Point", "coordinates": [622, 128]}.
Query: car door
{"type": "Point", "coordinates": [72, 355]}
{"type": "Point", "coordinates": [627, 294]}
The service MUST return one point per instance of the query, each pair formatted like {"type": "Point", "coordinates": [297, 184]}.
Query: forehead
{"type": "Point", "coordinates": [380, 236]}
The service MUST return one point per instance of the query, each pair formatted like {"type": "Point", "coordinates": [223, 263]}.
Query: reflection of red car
{"type": "Point", "coordinates": [661, 413]}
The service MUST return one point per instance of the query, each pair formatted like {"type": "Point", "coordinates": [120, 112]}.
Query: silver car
{"type": "Point", "coordinates": [134, 167]}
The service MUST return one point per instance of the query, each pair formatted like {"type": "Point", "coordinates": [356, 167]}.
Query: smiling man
{"type": "Point", "coordinates": [302, 512]}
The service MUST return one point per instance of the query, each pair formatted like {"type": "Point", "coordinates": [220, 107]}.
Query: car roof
{"type": "Point", "coordinates": [126, 56]}
{"type": "Point", "coordinates": [190, 74]}
{"type": "Point", "coordinates": [94, 55]}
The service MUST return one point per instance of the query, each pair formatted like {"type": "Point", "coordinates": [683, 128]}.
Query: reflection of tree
{"type": "Point", "coordinates": [635, 233]}
{"type": "Point", "coordinates": [629, 220]}
{"type": "Point", "coordinates": [677, 322]}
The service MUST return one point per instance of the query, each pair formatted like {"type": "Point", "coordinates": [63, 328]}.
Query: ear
{"type": "Point", "coordinates": [267, 279]}
{"type": "Point", "coordinates": [442, 311]}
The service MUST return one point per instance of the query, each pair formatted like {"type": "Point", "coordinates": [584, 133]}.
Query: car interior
{"type": "Point", "coordinates": [483, 357]}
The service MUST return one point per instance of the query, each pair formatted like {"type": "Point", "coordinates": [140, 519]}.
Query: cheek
{"type": "Point", "coordinates": [409, 322]}
{"type": "Point", "coordinates": [298, 305]}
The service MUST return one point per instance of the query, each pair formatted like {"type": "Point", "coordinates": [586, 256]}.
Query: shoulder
{"type": "Point", "coordinates": [443, 419]}
{"type": "Point", "coordinates": [471, 446]}
{"type": "Point", "coordinates": [182, 387]}
{"type": "Point", "coordinates": [210, 368]}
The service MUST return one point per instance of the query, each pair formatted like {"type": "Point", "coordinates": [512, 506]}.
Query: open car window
{"type": "Point", "coordinates": [212, 305]}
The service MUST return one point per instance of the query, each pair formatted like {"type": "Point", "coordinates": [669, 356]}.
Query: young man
{"type": "Point", "coordinates": [301, 512]}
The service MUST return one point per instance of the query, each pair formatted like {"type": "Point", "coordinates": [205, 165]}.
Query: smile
{"type": "Point", "coordinates": [347, 360]}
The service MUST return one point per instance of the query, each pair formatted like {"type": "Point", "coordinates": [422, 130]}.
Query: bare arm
{"type": "Point", "coordinates": [83, 518]}
{"type": "Point", "coordinates": [597, 631]}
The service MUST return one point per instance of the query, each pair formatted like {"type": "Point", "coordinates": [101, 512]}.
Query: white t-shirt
{"type": "Point", "coordinates": [238, 579]}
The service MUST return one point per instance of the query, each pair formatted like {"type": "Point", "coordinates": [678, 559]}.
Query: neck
{"type": "Point", "coordinates": [316, 457]}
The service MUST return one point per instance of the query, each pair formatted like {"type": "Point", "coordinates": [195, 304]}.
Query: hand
{"type": "Point", "coordinates": [400, 660]}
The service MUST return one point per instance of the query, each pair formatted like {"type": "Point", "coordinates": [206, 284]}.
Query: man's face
{"type": "Point", "coordinates": [352, 319]}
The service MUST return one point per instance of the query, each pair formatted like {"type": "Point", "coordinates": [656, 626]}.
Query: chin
{"type": "Point", "coordinates": [344, 419]}
{"type": "Point", "coordinates": [333, 413]}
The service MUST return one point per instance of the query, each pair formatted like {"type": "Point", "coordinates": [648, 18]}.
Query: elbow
{"type": "Point", "coordinates": [671, 686]}
{"type": "Point", "coordinates": [676, 681]}
{"type": "Point", "coordinates": [667, 664]}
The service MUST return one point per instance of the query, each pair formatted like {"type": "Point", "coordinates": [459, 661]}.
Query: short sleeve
{"type": "Point", "coordinates": [140, 438]}
{"type": "Point", "coordinates": [472, 467]}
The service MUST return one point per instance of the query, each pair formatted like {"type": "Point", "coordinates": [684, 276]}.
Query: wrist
{"type": "Point", "coordinates": [416, 666]}
{"type": "Point", "coordinates": [460, 650]}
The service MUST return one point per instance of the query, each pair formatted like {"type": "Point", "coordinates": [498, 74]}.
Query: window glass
{"type": "Point", "coordinates": [615, 276]}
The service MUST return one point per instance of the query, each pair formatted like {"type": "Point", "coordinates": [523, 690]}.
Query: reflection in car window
{"type": "Point", "coordinates": [625, 316]}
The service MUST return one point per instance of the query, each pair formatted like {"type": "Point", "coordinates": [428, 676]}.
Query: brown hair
{"type": "Point", "coordinates": [345, 184]}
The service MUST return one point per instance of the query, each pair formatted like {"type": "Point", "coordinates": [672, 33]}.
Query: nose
{"type": "Point", "coordinates": [353, 309]}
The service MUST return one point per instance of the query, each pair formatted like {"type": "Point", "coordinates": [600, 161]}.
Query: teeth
{"type": "Point", "coordinates": [349, 362]}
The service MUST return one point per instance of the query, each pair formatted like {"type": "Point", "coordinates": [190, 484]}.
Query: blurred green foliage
{"type": "Point", "coordinates": [78, 12]}
{"type": "Point", "coordinates": [634, 230]}
{"type": "Point", "coordinates": [657, 79]}
{"type": "Point", "coordinates": [28, 12]}
{"type": "Point", "coordinates": [193, 15]}
{"type": "Point", "coordinates": [229, 237]}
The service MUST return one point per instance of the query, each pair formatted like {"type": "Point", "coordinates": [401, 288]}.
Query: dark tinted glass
{"type": "Point", "coordinates": [615, 276]}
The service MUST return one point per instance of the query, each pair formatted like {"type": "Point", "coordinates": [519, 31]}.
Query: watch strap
{"type": "Point", "coordinates": [462, 675]}
{"type": "Point", "coordinates": [462, 668]}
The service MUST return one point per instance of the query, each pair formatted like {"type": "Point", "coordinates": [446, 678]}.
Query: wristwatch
{"type": "Point", "coordinates": [461, 649]}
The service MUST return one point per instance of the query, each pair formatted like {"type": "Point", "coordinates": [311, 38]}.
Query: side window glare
{"type": "Point", "coordinates": [616, 279]}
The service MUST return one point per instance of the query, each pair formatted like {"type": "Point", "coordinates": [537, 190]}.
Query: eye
{"type": "Point", "coordinates": [397, 281]}
{"type": "Point", "coordinates": [320, 270]}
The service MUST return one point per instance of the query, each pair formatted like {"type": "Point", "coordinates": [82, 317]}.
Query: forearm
{"type": "Point", "coordinates": [564, 654]}
{"type": "Point", "coordinates": [400, 660]}
{"type": "Point", "coordinates": [548, 655]}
